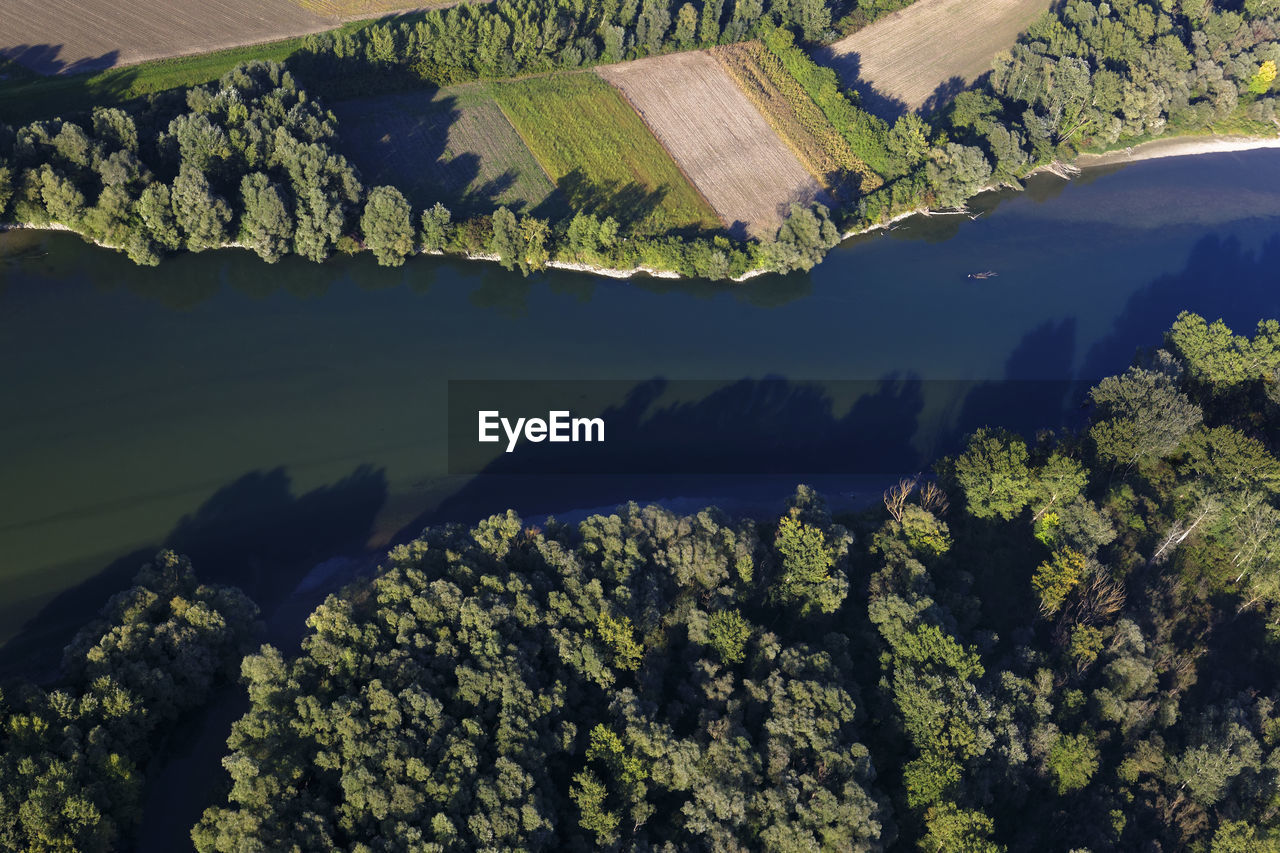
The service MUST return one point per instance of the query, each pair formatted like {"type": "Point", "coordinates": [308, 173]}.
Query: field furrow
{"type": "Point", "coordinates": [719, 139]}
{"type": "Point", "coordinates": [66, 36]}
{"type": "Point", "coordinates": [921, 56]}
{"type": "Point", "coordinates": [796, 118]}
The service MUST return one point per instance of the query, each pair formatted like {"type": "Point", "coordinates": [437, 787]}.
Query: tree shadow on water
{"type": "Point", "coordinates": [699, 442]}
{"type": "Point", "coordinates": [254, 533]}
{"type": "Point", "coordinates": [1221, 279]}
{"type": "Point", "coordinates": [1035, 392]}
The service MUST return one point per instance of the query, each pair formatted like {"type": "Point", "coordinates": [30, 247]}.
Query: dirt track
{"type": "Point", "coordinates": [64, 36]}
{"type": "Point", "coordinates": [717, 137]}
{"type": "Point", "coordinates": [901, 60]}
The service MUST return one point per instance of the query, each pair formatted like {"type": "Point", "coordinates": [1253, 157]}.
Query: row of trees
{"type": "Point", "coordinates": [1093, 75]}
{"type": "Point", "coordinates": [510, 37]}
{"type": "Point", "coordinates": [252, 160]}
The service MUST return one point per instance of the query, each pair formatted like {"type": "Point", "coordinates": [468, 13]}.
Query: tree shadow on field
{"type": "Point", "coordinates": [254, 533]}
{"type": "Point", "coordinates": [402, 140]}
{"type": "Point", "coordinates": [849, 68]}
{"type": "Point", "coordinates": [945, 91]}
{"type": "Point", "coordinates": [46, 59]}
{"type": "Point", "coordinates": [626, 202]}
{"type": "Point", "coordinates": [35, 84]}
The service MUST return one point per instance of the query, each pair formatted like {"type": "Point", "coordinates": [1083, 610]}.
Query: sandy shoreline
{"type": "Point", "coordinates": [1178, 146]}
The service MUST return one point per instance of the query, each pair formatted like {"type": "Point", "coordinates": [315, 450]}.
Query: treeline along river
{"type": "Point", "coordinates": [262, 418]}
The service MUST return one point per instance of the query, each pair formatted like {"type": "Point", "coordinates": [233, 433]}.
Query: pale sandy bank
{"type": "Point", "coordinates": [1178, 146]}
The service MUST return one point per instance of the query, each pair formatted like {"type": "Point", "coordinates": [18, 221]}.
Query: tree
{"type": "Point", "coordinates": [155, 207]}
{"type": "Point", "coordinates": [1072, 761]}
{"type": "Point", "coordinates": [508, 242]}
{"type": "Point", "coordinates": [64, 203]}
{"type": "Point", "coordinates": [686, 26]}
{"type": "Point", "coordinates": [1220, 360]}
{"type": "Point", "coordinates": [1261, 81]}
{"type": "Point", "coordinates": [807, 580]}
{"type": "Point", "coordinates": [803, 238]}
{"type": "Point", "coordinates": [534, 234]}
{"type": "Point", "coordinates": [386, 226]}
{"type": "Point", "coordinates": [1056, 578]}
{"type": "Point", "coordinates": [951, 829]}
{"type": "Point", "coordinates": [728, 633]}
{"type": "Point", "coordinates": [436, 227]}
{"type": "Point", "coordinates": [583, 235]}
{"type": "Point", "coordinates": [266, 225]}
{"type": "Point", "coordinates": [115, 127]}
{"type": "Point", "coordinates": [6, 186]}
{"type": "Point", "coordinates": [994, 474]}
{"type": "Point", "coordinates": [1139, 415]}
{"type": "Point", "coordinates": [202, 216]}
{"type": "Point", "coordinates": [709, 25]}
{"type": "Point", "coordinates": [957, 172]}
{"type": "Point", "coordinates": [652, 24]}
{"type": "Point", "coordinates": [908, 142]}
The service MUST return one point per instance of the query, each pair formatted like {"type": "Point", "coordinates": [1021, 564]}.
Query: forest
{"type": "Point", "coordinates": [1065, 641]}
{"type": "Point", "coordinates": [253, 160]}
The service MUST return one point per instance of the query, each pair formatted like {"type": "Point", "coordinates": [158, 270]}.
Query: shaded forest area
{"type": "Point", "coordinates": [1066, 642]}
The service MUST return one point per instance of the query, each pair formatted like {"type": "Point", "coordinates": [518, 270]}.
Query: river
{"type": "Point", "coordinates": [265, 417]}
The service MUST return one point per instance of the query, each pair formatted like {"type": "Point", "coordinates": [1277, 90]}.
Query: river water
{"type": "Point", "coordinates": [264, 417]}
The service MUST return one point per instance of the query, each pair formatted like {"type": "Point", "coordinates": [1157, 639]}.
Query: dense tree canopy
{"type": "Point", "coordinates": [617, 684]}
{"type": "Point", "coordinates": [1047, 645]}
{"type": "Point", "coordinates": [1077, 652]}
{"type": "Point", "coordinates": [72, 757]}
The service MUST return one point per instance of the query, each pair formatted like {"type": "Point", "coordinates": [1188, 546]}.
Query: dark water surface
{"type": "Point", "coordinates": [262, 416]}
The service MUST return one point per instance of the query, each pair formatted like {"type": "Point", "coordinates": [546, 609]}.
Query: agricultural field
{"type": "Point", "coordinates": [721, 141]}
{"type": "Point", "coordinates": [350, 10]}
{"type": "Point", "coordinates": [70, 36]}
{"type": "Point", "coordinates": [453, 146]}
{"type": "Point", "coordinates": [600, 154]}
{"type": "Point", "coordinates": [796, 118]}
{"type": "Point", "coordinates": [932, 46]}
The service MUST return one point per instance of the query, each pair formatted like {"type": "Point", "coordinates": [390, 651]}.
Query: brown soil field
{"type": "Point", "coordinates": [796, 118]}
{"type": "Point", "coordinates": [66, 36]}
{"type": "Point", "coordinates": [932, 46]}
{"type": "Point", "coordinates": [718, 138]}
{"type": "Point", "coordinates": [455, 146]}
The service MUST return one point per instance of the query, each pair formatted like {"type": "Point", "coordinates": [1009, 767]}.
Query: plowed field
{"type": "Point", "coordinates": [903, 59]}
{"type": "Point", "coordinates": [718, 138]}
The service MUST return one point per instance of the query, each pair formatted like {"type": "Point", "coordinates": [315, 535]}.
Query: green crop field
{"type": "Point", "coordinates": [601, 155]}
{"type": "Point", "coordinates": [455, 146]}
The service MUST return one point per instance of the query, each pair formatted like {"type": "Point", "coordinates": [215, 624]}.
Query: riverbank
{"type": "Point", "coordinates": [1177, 146]}
{"type": "Point", "coordinates": [570, 266]}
